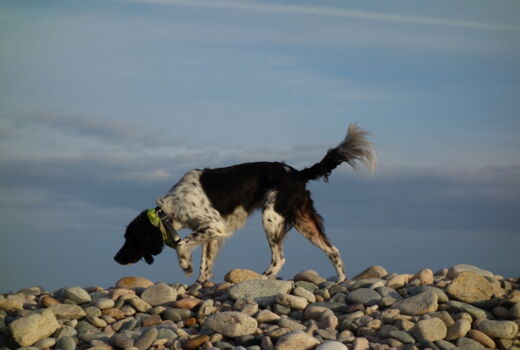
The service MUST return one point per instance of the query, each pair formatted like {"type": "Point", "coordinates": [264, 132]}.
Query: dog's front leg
{"type": "Point", "coordinates": [186, 245]}
{"type": "Point", "coordinates": [209, 254]}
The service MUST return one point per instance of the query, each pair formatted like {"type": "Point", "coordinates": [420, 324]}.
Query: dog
{"type": "Point", "coordinates": [214, 203]}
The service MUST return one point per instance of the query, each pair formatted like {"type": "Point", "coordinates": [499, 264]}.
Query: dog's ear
{"type": "Point", "coordinates": [149, 259]}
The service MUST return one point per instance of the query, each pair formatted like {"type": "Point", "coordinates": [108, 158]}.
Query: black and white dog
{"type": "Point", "coordinates": [214, 203]}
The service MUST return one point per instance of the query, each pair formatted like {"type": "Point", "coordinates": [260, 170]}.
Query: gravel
{"type": "Point", "coordinates": [461, 307]}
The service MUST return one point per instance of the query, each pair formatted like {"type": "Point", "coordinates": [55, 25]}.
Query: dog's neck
{"type": "Point", "coordinates": [169, 234]}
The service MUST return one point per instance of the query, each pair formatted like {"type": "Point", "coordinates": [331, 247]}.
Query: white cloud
{"type": "Point", "coordinates": [335, 12]}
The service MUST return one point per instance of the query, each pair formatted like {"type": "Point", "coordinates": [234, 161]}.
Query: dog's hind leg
{"type": "Point", "coordinates": [309, 224]}
{"type": "Point", "coordinates": [210, 251]}
{"type": "Point", "coordinates": [274, 226]}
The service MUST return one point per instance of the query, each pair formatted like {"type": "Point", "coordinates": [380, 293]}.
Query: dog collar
{"type": "Point", "coordinates": [170, 237]}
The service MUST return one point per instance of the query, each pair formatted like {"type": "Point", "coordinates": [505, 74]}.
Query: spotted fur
{"type": "Point", "coordinates": [214, 203]}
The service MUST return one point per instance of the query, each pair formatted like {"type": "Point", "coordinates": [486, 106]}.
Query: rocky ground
{"type": "Point", "coordinates": [463, 307]}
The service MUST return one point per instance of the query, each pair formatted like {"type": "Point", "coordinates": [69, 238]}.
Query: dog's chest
{"type": "Point", "coordinates": [237, 219]}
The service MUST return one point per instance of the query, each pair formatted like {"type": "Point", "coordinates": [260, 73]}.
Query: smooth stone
{"type": "Point", "coordinates": [266, 316]}
{"type": "Point", "coordinates": [468, 344]}
{"type": "Point", "coordinates": [113, 312]}
{"type": "Point", "coordinates": [176, 314]}
{"type": "Point", "coordinates": [65, 343]}
{"type": "Point", "coordinates": [104, 303]}
{"type": "Point", "coordinates": [311, 287]}
{"type": "Point", "coordinates": [153, 320]}
{"type": "Point", "coordinates": [360, 343]}
{"type": "Point", "coordinates": [475, 312]}
{"type": "Point", "coordinates": [441, 296]}
{"type": "Point", "coordinates": [389, 292]}
{"type": "Point", "coordinates": [470, 287]}
{"type": "Point", "coordinates": [77, 295]}
{"type": "Point", "coordinates": [292, 301]}
{"type": "Point", "coordinates": [304, 293]}
{"type": "Point", "coordinates": [239, 275]}
{"type": "Point", "coordinates": [231, 323]}
{"type": "Point", "coordinates": [86, 327]}
{"type": "Point", "coordinates": [92, 311]}
{"type": "Point", "coordinates": [425, 276]}
{"type": "Point", "coordinates": [459, 329]}
{"type": "Point", "coordinates": [139, 304]}
{"type": "Point", "coordinates": [122, 341]}
{"type": "Point", "coordinates": [482, 338]}
{"type": "Point", "coordinates": [159, 294]}
{"type": "Point", "coordinates": [374, 271]}
{"type": "Point", "coordinates": [444, 316]}
{"type": "Point", "coordinates": [514, 312]}
{"type": "Point", "coordinates": [45, 343]}
{"type": "Point", "coordinates": [165, 333]}
{"type": "Point", "coordinates": [66, 331]}
{"type": "Point", "coordinates": [38, 325]}
{"type": "Point", "coordinates": [133, 282]}
{"type": "Point", "coordinates": [263, 292]}
{"type": "Point", "coordinates": [286, 322]}
{"type": "Point", "coordinates": [296, 340]}
{"type": "Point", "coordinates": [196, 342]}
{"type": "Point", "coordinates": [365, 296]}
{"type": "Point", "coordinates": [332, 345]}
{"type": "Point", "coordinates": [456, 269]}
{"type": "Point", "coordinates": [13, 303]}
{"type": "Point", "coordinates": [430, 330]}
{"type": "Point", "coordinates": [67, 311]}
{"type": "Point", "coordinates": [498, 329]}
{"type": "Point", "coordinates": [402, 336]}
{"type": "Point", "coordinates": [309, 276]}
{"type": "Point", "coordinates": [418, 304]}
{"type": "Point", "coordinates": [187, 303]}
{"type": "Point", "coordinates": [445, 345]}
{"type": "Point", "coordinates": [146, 339]}
{"type": "Point", "coordinates": [47, 301]}
{"type": "Point", "coordinates": [399, 281]}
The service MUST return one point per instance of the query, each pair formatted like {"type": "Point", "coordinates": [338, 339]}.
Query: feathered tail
{"type": "Point", "coordinates": [354, 149]}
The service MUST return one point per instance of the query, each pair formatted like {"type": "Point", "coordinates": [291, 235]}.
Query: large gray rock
{"type": "Point", "coordinates": [430, 329]}
{"type": "Point", "coordinates": [456, 269]}
{"type": "Point", "coordinates": [29, 329]}
{"type": "Point", "coordinates": [441, 296]}
{"type": "Point", "coordinates": [470, 287]}
{"type": "Point", "coordinates": [332, 345]}
{"type": "Point", "coordinates": [77, 295]}
{"type": "Point", "coordinates": [419, 304]}
{"type": "Point", "coordinates": [474, 311]}
{"type": "Point", "coordinates": [66, 343]}
{"type": "Point", "coordinates": [146, 339]}
{"type": "Point", "coordinates": [67, 311]}
{"type": "Point", "coordinates": [499, 329]}
{"type": "Point", "coordinates": [374, 271]}
{"type": "Point", "coordinates": [296, 340]}
{"type": "Point", "coordinates": [263, 292]}
{"type": "Point", "coordinates": [365, 296]}
{"type": "Point", "coordinates": [12, 303]}
{"type": "Point", "coordinates": [159, 294]}
{"type": "Point", "coordinates": [231, 323]}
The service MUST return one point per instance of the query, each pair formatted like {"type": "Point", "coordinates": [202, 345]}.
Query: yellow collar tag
{"type": "Point", "coordinates": [153, 217]}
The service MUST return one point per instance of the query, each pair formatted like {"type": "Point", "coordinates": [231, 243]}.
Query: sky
{"type": "Point", "coordinates": [106, 104]}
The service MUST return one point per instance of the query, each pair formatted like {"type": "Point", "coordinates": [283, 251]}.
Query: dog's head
{"type": "Point", "coordinates": [142, 240]}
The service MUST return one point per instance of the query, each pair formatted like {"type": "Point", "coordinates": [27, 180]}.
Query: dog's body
{"type": "Point", "coordinates": [214, 203]}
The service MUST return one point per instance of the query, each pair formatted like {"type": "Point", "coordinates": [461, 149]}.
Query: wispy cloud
{"type": "Point", "coordinates": [335, 12]}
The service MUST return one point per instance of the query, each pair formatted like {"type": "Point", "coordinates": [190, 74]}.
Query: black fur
{"type": "Point", "coordinates": [142, 240]}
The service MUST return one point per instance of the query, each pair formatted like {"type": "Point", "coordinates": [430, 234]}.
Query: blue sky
{"type": "Point", "coordinates": [105, 104]}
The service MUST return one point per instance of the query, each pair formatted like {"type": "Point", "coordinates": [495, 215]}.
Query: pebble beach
{"type": "Point", "coordinates": [460, 307]}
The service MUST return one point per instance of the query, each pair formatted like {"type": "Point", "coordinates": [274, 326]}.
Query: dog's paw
{"type": "Point", "coordinates": [188, 270]}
